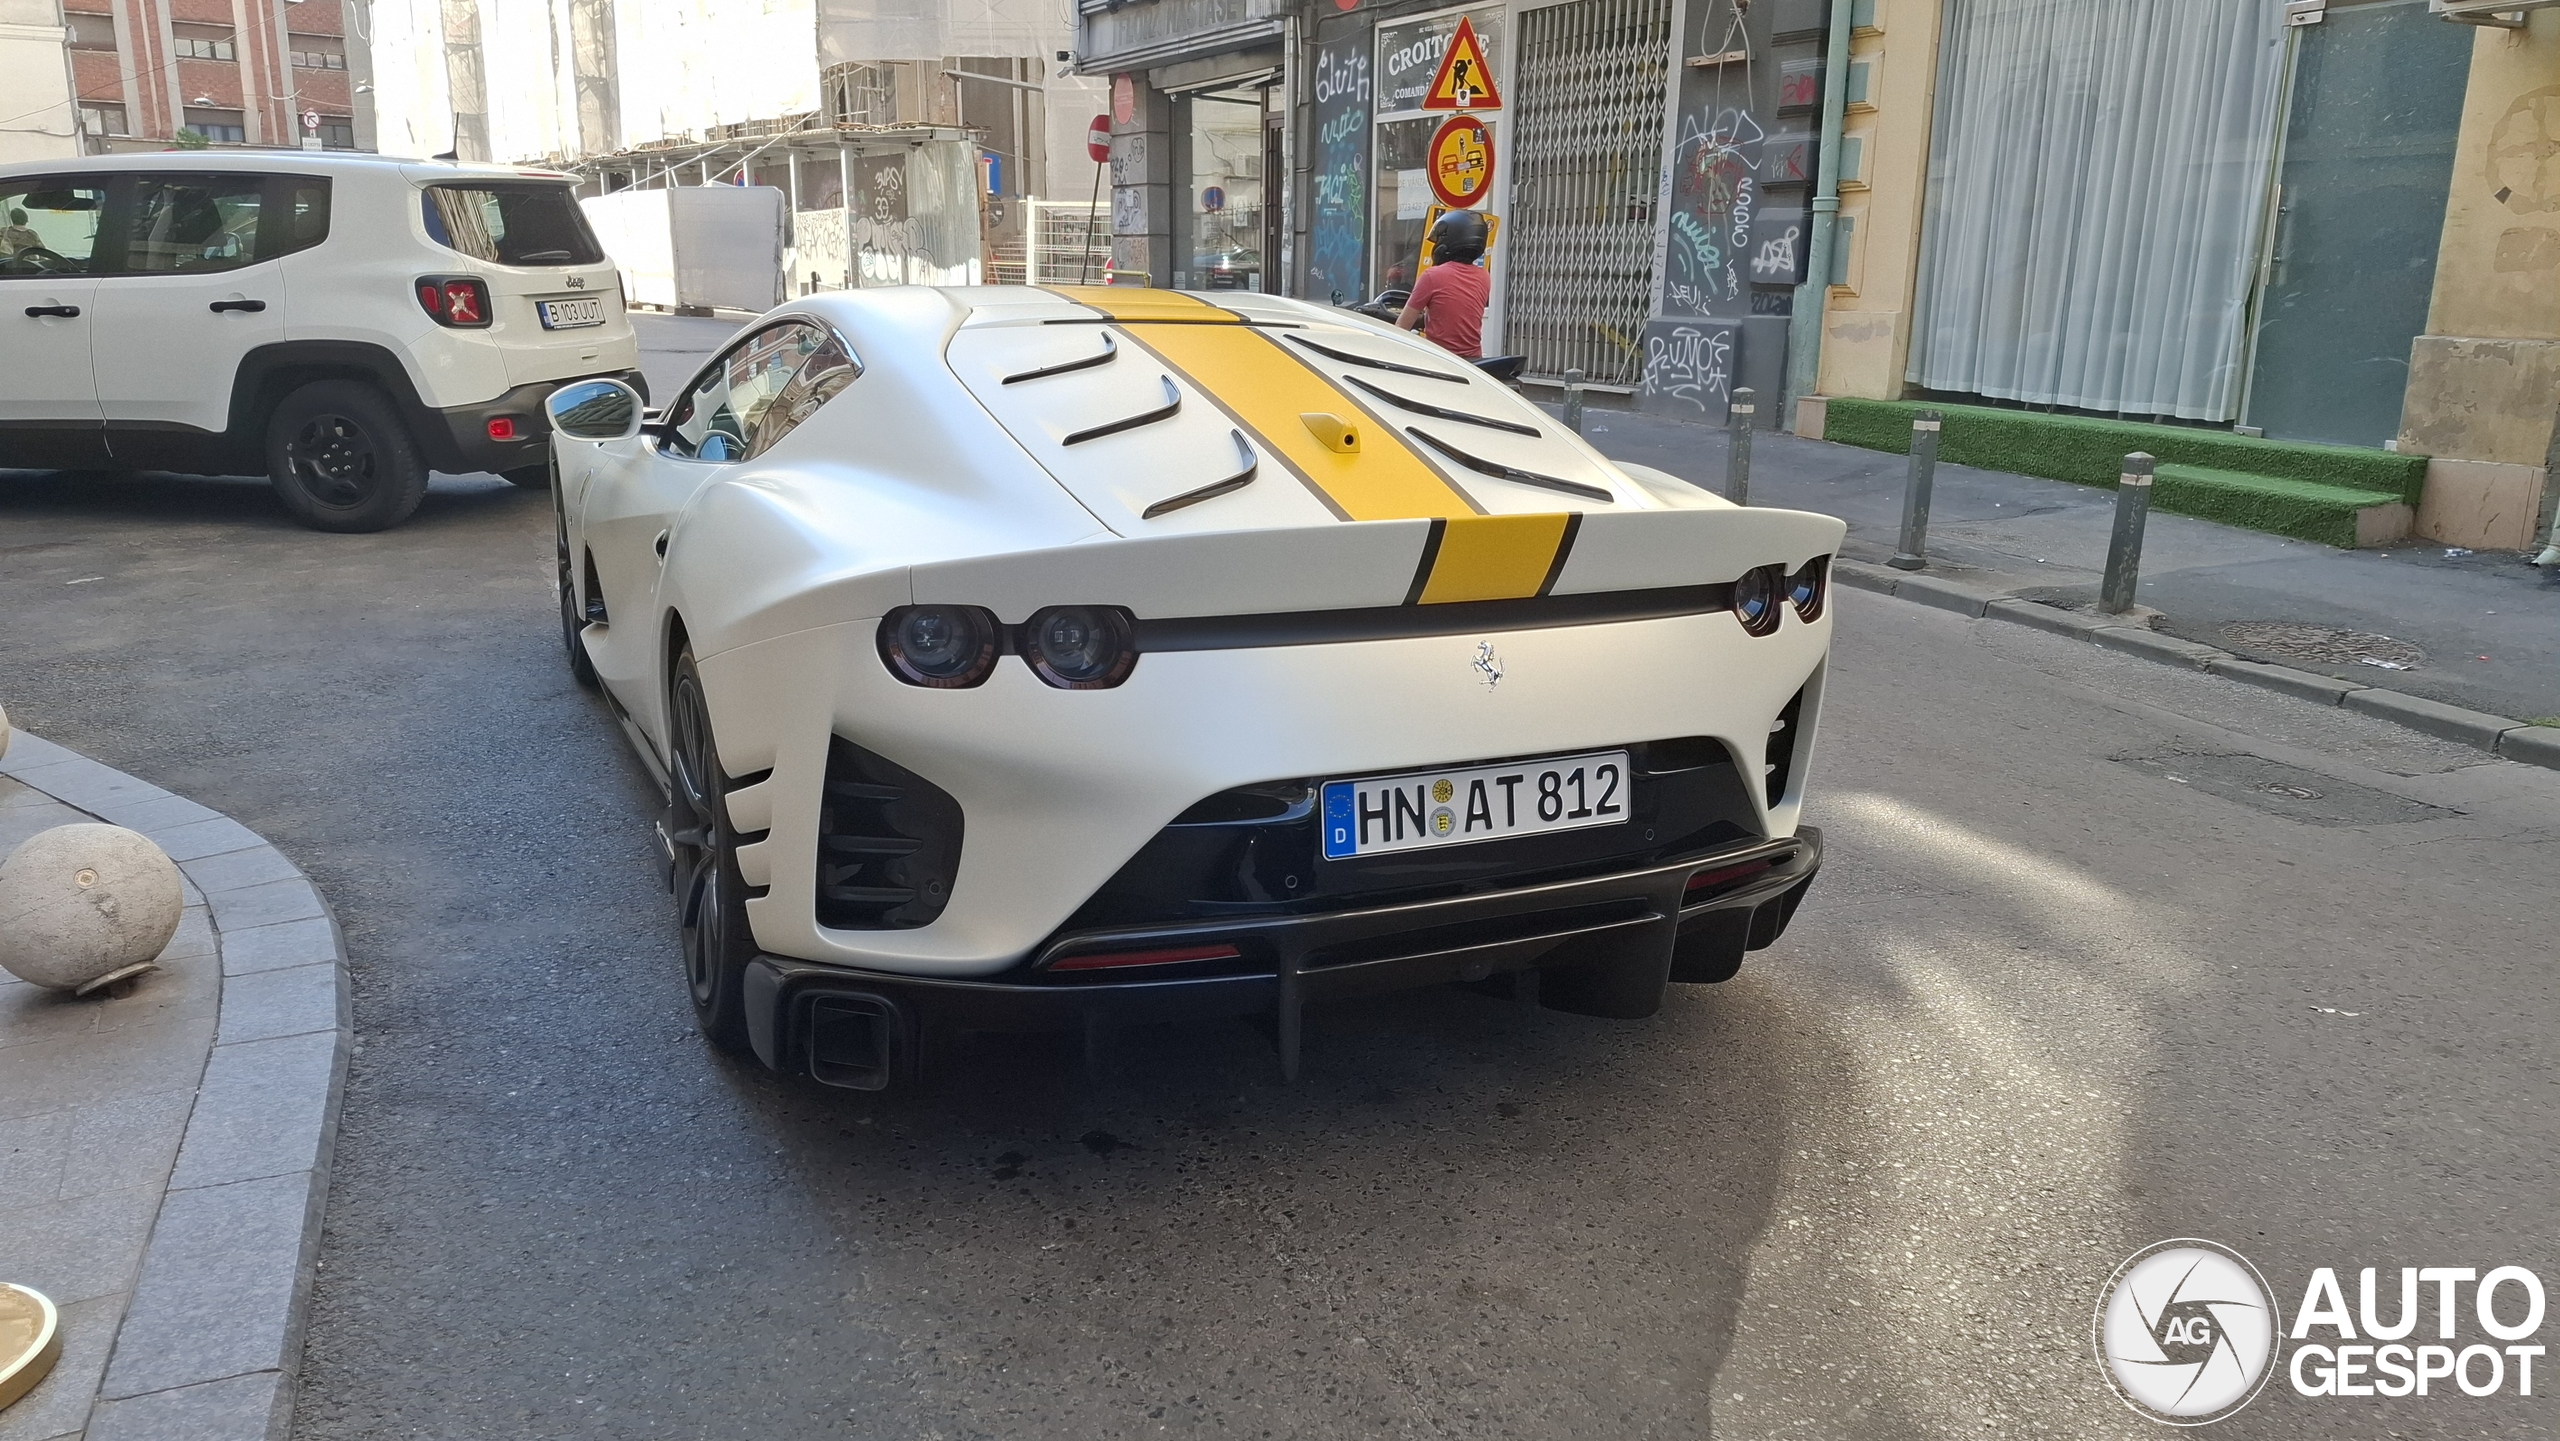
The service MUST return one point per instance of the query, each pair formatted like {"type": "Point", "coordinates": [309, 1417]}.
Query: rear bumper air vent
{"type": "Point", "coordinates": [888, 843]}
{"type": "Point", "coordinates": [1785, 739]}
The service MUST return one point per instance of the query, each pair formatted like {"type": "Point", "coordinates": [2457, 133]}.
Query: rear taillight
{"type": "Point", "coordinates": [458, 302]}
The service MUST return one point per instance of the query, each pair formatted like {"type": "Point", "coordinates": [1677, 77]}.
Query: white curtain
{"type": "Point", "coordinates": [2097, 189]}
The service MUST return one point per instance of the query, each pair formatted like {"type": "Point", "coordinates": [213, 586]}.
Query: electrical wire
{"type": "Point", "coordinates": [76, 97]}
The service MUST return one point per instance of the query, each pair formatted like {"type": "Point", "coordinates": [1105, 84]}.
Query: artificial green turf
{"type": "Point", "coordinates": [2091, 451]}
{"type": "Point", "coordinates": [2303, 509]}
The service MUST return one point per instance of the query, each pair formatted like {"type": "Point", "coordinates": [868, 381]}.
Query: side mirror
{"type": "Point", "coordinates": [595, 410]}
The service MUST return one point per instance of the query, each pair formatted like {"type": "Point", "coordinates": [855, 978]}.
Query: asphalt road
{"type": "Point", "coordinates": [2045, 1006]}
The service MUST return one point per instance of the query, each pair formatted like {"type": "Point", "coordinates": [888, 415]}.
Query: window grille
{"type": "Point", "coordinates": [1586, 159]}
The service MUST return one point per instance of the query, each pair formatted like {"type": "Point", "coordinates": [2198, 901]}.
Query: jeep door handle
{"type": "Point", "coordinates": [67, 312]}
{"type": "Point", "coordinates": [220, 306]}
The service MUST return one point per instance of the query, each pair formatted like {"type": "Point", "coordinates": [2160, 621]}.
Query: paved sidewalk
{"type": "Point", "coordinates": [2487, 625]}
{"type": "Point", "coordinates": [165, 1148]}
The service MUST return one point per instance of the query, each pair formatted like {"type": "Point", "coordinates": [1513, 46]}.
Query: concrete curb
{"type": "Point", "coordinates": [210, 1343]}
{"type": "Point", "coordinates": [2496, 735]}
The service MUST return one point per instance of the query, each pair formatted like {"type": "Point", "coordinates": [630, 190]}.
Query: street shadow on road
{"type": "Point", "coordinates": [1469, 1216]}
{"type": "Point", "coordinates": [247, 501]}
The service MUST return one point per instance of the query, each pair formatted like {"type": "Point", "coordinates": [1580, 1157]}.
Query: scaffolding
{"type": "Point", "coordinates": [1069, 244]}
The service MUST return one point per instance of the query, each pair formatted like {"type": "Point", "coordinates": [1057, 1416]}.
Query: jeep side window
{"type": "Point", "coordinates": [48, 228]}
{"type": "Point", "coordinates": [715, 418]}
{"type": "Point", "coordinates": [195, 223]}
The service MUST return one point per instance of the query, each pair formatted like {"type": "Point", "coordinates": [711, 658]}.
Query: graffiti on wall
{"type": "Point", "coordinates": [885, 232]}
{"type": "Point", "coordinates": [1689, 366]}
{"type": "Point", "coordinates": [1339, 222]}
{"type": "Point", "coordinates": [1714, 190]}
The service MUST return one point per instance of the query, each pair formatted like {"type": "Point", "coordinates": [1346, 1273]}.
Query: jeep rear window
{"type": "Point", "coordinates": [511, 224]}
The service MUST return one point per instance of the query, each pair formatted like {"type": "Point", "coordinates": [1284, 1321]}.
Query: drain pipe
{"type": "Point", "coordinates": [1804, 327]}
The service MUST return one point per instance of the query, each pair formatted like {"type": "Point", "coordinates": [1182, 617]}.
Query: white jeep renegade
{"type": "Point", "coordinates": [344, 323]}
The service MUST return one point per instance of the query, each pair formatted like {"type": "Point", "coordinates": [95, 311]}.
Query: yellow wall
{"type": "Point", "coordinates": [2484, 381]}
{"type": "Point", "coordinates": [1867, 331]}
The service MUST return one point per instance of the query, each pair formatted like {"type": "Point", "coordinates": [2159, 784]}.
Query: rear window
{"type": "Point", "coordinates": [511, 224]}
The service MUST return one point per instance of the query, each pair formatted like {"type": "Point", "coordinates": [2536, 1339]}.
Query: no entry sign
{"type": "Point", "coordinates": [1097, 139]}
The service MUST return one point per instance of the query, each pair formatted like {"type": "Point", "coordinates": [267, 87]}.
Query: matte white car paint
{"type": "Point", "coordinates": [929, 480]}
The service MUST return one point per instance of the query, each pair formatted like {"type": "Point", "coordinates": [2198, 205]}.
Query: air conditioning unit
{"type": "Point", "coordinates": [2505, 14]}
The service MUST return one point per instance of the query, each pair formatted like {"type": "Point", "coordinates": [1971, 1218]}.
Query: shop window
{"type": "Point", "coordinates": [1408, 57]}
{"type": "Point", "coordinates": [1225, 134]}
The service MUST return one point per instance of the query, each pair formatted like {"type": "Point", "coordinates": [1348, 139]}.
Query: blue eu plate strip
{"type": "Point", "coordinates": [1338, 821]}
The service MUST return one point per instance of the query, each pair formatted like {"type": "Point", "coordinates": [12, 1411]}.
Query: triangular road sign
{"type": "Point", "coordinates": [1464, 81]}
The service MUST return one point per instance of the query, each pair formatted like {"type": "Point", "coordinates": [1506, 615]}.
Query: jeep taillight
{"type": "Point", "coordinates": [456, 301]}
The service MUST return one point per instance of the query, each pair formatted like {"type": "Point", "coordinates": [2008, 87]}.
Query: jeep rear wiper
{"type": "Point", "coordinates": [536, 257]}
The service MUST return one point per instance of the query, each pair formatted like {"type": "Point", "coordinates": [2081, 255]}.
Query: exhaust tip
{"type": "Point", "coordinates": [855, 1040]}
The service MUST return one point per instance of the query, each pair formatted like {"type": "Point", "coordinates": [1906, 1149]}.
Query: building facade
{"type": "Point", "coordinates": [2319, 220]}
{"type": "Point", "coordinates": [1644, 162]}
{"type": "Point", "coordinates": [38, 121]}
{"type": "Point", "coordinates": [148, 74]}
{"type": "Point", "coordinates": [914, 144]}
{"type": "Point", "coordinates": [2333, 222]}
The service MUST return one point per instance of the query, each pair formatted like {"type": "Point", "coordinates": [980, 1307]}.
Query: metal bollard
{"type": "Point", "coordinates": [2124, 548]}
{"type": "Point", "coordinates": [1737, 456]}
{"type": "Point", "coordinates": [1573, 401]}
{"type": "Point", "coordinates": [1914, 552]}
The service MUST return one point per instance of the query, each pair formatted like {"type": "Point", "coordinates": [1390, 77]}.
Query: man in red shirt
{"type": "Point", "coordinates": [1447, 303]}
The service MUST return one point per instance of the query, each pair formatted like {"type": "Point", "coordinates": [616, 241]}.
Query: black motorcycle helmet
{"type": "Point", "coordinates": [1460, 236]}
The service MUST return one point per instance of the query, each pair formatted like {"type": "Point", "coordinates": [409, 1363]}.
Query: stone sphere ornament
{"type": "Point", "coordinates": [83, 906]}
{"type": "Point", "coordinates": [30, 1340]}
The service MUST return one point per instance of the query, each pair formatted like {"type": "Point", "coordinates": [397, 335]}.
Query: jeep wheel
{"type": "Point", "coordinates": [341, 459]}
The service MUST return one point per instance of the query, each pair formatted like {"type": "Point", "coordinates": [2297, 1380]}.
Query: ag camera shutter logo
{"type": "Point", "coordinates": [2187, 1332]}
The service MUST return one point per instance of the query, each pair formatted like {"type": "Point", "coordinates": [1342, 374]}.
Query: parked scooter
{"type": "Point", "coordinates": [1388, 304]}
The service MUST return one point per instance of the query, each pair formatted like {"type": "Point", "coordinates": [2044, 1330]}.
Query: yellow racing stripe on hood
{"type": "Point", "coordinates": [1494, 557]}
{"type": "Point", "coordinates": [1135, 303]}
{"type": "Point", "coordinates": [1270, 392]}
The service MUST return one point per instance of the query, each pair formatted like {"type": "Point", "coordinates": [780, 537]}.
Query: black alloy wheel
{"type": "Point", "coordinates": [572, 621]}
{"type": "Point", "coordinates": [711, 896]}
{"type": "Point", "coordinates": [342, 460]}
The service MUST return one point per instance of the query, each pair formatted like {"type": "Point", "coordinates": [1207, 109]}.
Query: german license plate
{"type": "Point", "coordinates": [1422, 809]}
{"type": "Point", "coordinates": [570, 314]}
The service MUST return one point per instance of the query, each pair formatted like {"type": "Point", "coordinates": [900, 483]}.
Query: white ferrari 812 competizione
{"type": "Point", "coordinates": [1023, 658]}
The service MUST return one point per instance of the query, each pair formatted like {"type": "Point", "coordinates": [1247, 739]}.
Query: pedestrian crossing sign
{"type": "Point", "coordinates": [1464, 80]}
